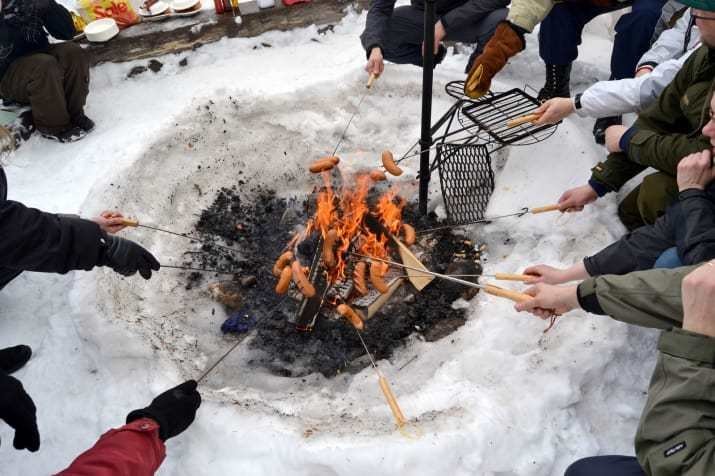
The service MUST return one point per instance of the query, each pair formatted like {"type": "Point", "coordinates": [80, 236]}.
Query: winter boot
{"type": "Point", "coordinates": [13, 359]}
{"type": "Point", "coordinates": [600, 126]}
{"type": "Point", "coordinates": [71, 134]}
{"type": "Point", "coordinates": [557, 81]}
{"type": "Point", "coordinates": [84, 123]}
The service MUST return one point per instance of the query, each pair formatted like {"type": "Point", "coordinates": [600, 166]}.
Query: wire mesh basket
{"type": "Point", "coordinates": [467, 180]}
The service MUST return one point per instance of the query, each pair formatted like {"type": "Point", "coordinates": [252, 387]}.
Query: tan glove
{"type": "Point", "coordinates": [505, 43]}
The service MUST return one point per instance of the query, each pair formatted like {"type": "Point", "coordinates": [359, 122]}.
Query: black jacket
{"type": "Point", "coordinates": [454, 14]}
{"type": "Point", "coordinates": [688, 224]}
{"type": "Point", "coordinates": [32, 240]}
{"type": "Point", "coordinates": [23, 24]}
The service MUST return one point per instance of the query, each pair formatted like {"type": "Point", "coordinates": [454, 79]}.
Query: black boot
{"type": "Point", "coordinates": [84, 123]}
{"type": "Point", "coordinates": [13, 359]}
{"type": "Point", "coordinates": [600, 126]}
{"type": "Point", "coordinates": [557, 81]}
{"type": "Point", "coordinates": [71, 134]}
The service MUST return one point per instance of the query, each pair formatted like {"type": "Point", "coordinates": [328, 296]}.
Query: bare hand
{"type": "Point", "coordinates": [573, 200]}
{"type": "Point", "coordinates": [110, 222]}
{"type": "Point", "coordinates": [699, 300]}
{"type": "Point", "coordinates": [696, 171]}
{"type": "Point", "coordinates": [439, 34]}
{"type": "Point", "coordinates": [643, 71]}
{"type": "Point", "coordinates": [375, 64]}
{"type": "Point", "coordinates": [613, 137]}
{"type": "Point", "coordinates": [549, 300]}
{"type": "Point", "coordinates": [554, 110]}
{"type": "Point", "coordinates": [542, 273]}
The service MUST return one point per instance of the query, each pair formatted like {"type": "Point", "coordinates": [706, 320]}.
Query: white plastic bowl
{"type": "Point", "coordinates": [181, 5]}
{"type": "Point", "coordinates": [158, 8]}
{"type": "Point", "coordinates": [101, 30]}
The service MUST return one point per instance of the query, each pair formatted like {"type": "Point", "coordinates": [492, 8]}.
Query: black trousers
{"type": "Point", "coordinates": [606, 466]}
{"type": "Point", "coordinates": [7, 275]}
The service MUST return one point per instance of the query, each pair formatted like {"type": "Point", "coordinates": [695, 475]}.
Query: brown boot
{"type": "Point", "coordinates": [505, 43]}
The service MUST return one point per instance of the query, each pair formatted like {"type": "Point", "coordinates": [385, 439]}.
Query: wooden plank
{"type": "Point", "coordinates": [152, 39]}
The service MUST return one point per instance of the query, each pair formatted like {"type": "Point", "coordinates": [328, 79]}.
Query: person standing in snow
{"type": "Point", "coordinates": [396, 34]}
{"type": "Point", "coordinates": [52, 79]}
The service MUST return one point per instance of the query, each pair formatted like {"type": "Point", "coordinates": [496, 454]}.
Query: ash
{"type": "Point", "coordinates": [260, 226]}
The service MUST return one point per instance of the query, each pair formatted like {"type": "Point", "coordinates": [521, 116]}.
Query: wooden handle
{"type": "Point", "coordinates": [130, 222]}
{"type": "Point", "coordinates": [547, 208]}
{"type": "Point", "coordinates": [515, 296]}
{"type": "Point", "coordinates": [522, 120]}
{"type": "Point", "coordinates": [392, 401]}
{"type": "Point", "coordinates": [512, 277]}
{"type": "Point", "coordinates": [371, 80]}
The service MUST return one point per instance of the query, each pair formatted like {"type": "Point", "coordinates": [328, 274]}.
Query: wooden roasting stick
{"type": "Point", "coordinates": [371, 80]}
{"type": "Point", "coordinates": [512, 277]}
{"type": "Point", "coordinates": [522, 120]}
{"type": "Point", "coordinates": [130, 222]}
{"type": "Point", "coordinates": [544, 209]}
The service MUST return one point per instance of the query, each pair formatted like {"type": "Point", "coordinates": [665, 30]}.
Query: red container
{"type": "Point", "coordinates": [218, 5]}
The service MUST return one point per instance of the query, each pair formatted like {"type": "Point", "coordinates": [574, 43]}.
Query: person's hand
{"type": "Point", "coordinates": [375, 63]}
{"type": "Point", "coordinates": [439, 34]}
{"type": "Point", "coordinates": [549, 301]}
{"type": "Point", "coordinates": [542, 273]}
{"type": "Point", "coordinates": [554, 110]}
{"type": "Point", "coordinates": [696, 171]}
{"type": "Point", "coordinates": [126, 257]}
{"type": "Point", "coordinates": [613, 137]}
{"type": "Point", "coordinates": [110, 222]}
{"type": "Point", "coordinates": [573, 200]}
{"type": "Point", "coordinates": [643, 70]}
{"type": "Point", "coordinates": [18, 410]}
{"type": "Point", "coordinates": [174, 410]}
{"type": "Point", "coordinates": [699, 300]}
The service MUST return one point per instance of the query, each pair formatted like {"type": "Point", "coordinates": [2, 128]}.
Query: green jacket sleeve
{"type": "Point", "coordinates": [664, 151]}
{"type": "Point", "coordinates": [615, 171]}
{"type": "Point", "coordinates": [650, 298]}
{"type": "Point", "coordinates": [676, 434]}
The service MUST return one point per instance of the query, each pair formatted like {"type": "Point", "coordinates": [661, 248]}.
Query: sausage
{"type": "Point", "coordinates": [282, 261]}
{"type": "Point", "coordinates": [328, 244]}
{"type": "Point", "coordinates": [284, 281]}
{"type": "Point", "coordinates": [335, 160]}
{"type": "Point", "coordinates": [322, 165]}
{"type": "Point", "coordinates": [301, 280]}
{"type": "Point", "coordinates": [389, 163]}
{"type": "Point", "coordinates": [359, 278]}
{"type": "Point", "coordinates": [354, 317]}
{"type": "Point", "coordinates": [409, 234]}
{"type": "Point", "coordinates": [378, 175]}
{"type": "Point", "coordinates": [377, 271]}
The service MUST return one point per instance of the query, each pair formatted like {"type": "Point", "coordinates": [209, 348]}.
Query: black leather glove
{"type": "Point", "coordinates": [126, 257]}
{"type": "Point", "coordinates": [174, 410]}
{"type": "Point", "coordinates": [18, 411]}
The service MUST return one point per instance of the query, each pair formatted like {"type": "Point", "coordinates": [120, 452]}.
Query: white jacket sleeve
{"type": "Point", "coordinates": [671, 43]}
{"type": "Point", "coordinates": [612, 98]}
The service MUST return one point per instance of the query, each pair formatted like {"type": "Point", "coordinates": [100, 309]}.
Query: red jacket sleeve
{"type": "Point", "coordinates": [132, 450]}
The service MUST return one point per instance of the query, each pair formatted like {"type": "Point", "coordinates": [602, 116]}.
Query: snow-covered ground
{"type": "Point", "coordinates": [497, 398]}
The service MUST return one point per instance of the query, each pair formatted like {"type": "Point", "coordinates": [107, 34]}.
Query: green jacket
{"type": "Point", "coordinates": [669, 129]}
{"type": "Point", "coordinates": [676, 434]}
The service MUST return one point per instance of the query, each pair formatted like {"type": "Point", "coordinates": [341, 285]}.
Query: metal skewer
{"type": "Point", "coordinates": [368, 87]}
{"type": "Point", "coordinates": [205, 270]}
{"type": "Point", "coordinates": [519, 214]}
{"type": "Point", "coordinates": [136, 224]}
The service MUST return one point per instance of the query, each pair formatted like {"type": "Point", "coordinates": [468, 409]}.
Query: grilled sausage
{"type": "Point", "coordinates": [389, 163]}
{"type": "Point", "coordinates": [332, 158]}
{"type": "Point", "coordinates": [282, 261]}
{"type": "Point", "coordinates": [353, 316]}
{"type": "Point", "coordinates": [328, 244]}
{"type": "Point", "coordinates": [359, 278]}
{"type": "Point", "coordinates": [378, 175]}
{"type": "Point", "coordinates": [322, 165]}
{"type": "Point", "coordinates": [284, 281]}
{"type": "Point", "coordinates": [301, 280]}
{"type": "Point", "coordinates": [377, 271]}
{"type": "Point", "coordinates": [409, 234]}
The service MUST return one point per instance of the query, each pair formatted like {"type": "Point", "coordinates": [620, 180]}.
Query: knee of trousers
{"type": "Point", "coordinates": [654, 196]}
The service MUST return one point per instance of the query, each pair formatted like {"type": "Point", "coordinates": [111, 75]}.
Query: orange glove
{"type": "Point", "coordinates": [505, 43]}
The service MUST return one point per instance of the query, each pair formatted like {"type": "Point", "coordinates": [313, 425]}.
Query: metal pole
{"type": "Point", "coordinates": [426, 135]}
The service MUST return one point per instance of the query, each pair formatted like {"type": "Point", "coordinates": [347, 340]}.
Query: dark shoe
{"type": "Point", "coordinates": [73, 134]}
{"type": "Point", "coordinates": [84, 123]}
{"type": "Point", "coordinates": [13, 359]}
{"type": "Point", "coordinates": [557, 81]}
{"type": "Point", "coordinates": [600, 126]}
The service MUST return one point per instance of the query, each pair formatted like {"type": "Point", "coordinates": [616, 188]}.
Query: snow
{"type": "Point", "coordinates": [496, 398]}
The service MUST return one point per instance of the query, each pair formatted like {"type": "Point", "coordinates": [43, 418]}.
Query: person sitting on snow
{"type": "Point", "coordinates": [396, 34]}
{"type": "Point", "coordinates": [655, 71]}
{"type": "Point", "coordinates": [560, 34]}
{"type": "Point", "coordinates": [663, 134]}
{"type": "Point", "coordinates": [52, 79]}
{"type": "Point", "coordinates": [676, 433]}
{"type": "Point", "coordinates": [33, 240]}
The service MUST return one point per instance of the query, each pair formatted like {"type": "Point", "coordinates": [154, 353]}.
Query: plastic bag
{"type": "Point", "coordinates": [121, 10]}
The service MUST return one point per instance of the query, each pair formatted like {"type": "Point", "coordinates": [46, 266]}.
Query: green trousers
{"type": "Point", "coordinates": [648, 201]}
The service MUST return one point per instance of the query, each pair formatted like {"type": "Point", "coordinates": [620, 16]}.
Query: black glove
{"type": "Point", "coordinates": [126, 257]}
{"type": "Point", "coordinates": [174, 410]}
{"type": "Point", "coordinates": [18, 411]}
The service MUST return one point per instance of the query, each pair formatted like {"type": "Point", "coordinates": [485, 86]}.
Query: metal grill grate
{"type": "Point", "coordinates": [492, 112]}
{"type": "Point", "coordinates": [467, 179]}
